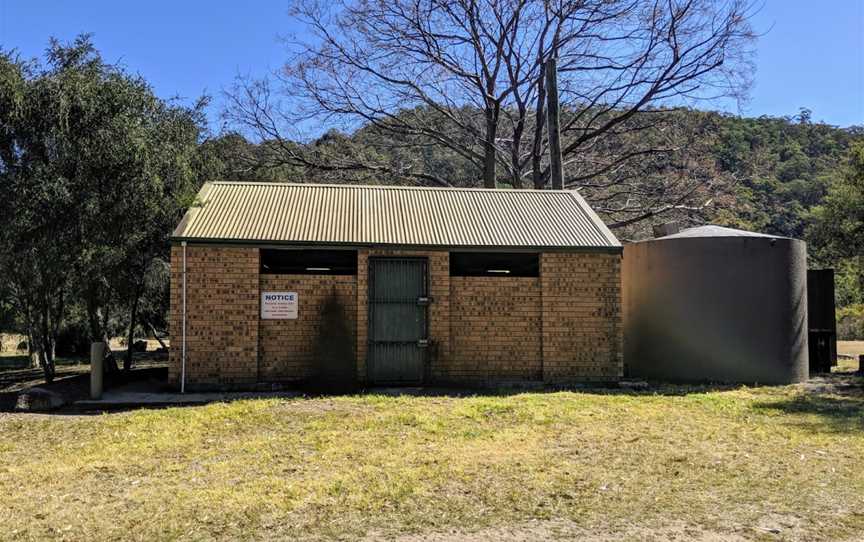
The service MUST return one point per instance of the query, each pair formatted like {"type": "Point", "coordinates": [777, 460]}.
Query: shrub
{"type": "Point", "coordinates": [850, 323]}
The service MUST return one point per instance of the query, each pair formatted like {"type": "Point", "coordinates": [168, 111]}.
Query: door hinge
{"type": "Point", "coordinates": [423, 343]}
{"type": "Point", "coordinates": [423, 301]}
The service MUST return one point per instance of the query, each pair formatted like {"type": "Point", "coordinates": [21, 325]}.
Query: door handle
{"type": "Point", "coordinates": [423, 343]}
{"type": "Point", "coordinates": [422, 301]}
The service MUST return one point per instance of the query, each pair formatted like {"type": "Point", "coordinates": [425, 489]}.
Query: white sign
{"type": "Point", "coordinates": [279, 305]}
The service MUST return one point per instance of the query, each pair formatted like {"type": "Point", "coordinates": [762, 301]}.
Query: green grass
{"type": "Point", "coordinates": [722, 461]}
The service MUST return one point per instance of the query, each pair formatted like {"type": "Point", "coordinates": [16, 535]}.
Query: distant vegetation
{"type": "Point", "coordinates": [762, 174]}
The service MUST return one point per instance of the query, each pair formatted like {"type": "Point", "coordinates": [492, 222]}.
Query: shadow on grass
{"type": "Point", "coordinates": [314, 390]}
{"type": "Point", "coordinates": [831, 403]}
{"type": "Point", "coordinates": [837, 400]}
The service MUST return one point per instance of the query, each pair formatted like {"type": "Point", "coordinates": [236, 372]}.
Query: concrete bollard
{"type": "Point", "coordinates": [97, 357]}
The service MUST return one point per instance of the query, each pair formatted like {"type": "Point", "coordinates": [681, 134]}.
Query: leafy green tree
{"type": "Point", "coordinates": [838, 222]}
{"type": "Point", "coordinates": [95, 171]}
{"type": "Point", "coordinates": [837, 230]}
{"type": "Point", "coordinates": [782, 167]}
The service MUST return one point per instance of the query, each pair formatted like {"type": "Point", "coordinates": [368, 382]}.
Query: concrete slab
{"type": "Point", "coordinates": [130, 397]}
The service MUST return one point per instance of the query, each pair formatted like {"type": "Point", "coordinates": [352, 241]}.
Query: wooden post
{"type": "Point", "coordinates": [97, 371]}
{"type": "Point", "coordinates": [554, 125]}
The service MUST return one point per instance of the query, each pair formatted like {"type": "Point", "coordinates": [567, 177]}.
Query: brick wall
{"type": "Point", "coordinates": [495, 330]}
{"type": "Point", "coordinates": [582, 335]}
{"type": "Point", "coordinates": [222, 316]}
{"type": "Point", "coordinates": [565, 325]}
{"type": "Point", "coordinates": [288, 348]}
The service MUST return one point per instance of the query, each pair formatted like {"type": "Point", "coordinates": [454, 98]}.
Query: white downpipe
{"type": "Point", "coordinates": [183, 333]}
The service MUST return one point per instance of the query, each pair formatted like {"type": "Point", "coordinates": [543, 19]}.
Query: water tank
{"type": "Point", "coordinates": [714, 304]}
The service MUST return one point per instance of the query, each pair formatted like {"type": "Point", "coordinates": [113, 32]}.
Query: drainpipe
{"type": "Point", "coordinates": [183, 333]}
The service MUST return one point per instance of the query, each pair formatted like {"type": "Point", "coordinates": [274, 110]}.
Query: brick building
{"type": "Point", "coordinates": [281, 283]}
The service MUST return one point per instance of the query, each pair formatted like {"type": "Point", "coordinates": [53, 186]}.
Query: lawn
{"type": "Point", "coordinates": [767, 463]}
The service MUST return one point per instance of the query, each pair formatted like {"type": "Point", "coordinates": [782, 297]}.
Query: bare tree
{"type": "Point", "coordinates": [477, 68]}
{"type": "Point", "coordinates": [682, 182]}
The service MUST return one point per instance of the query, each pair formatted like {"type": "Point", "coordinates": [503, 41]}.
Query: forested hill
{"type": "Point", "coordinates": [761, 174]}
{"type": "Point", "coordinates": [783, 167]}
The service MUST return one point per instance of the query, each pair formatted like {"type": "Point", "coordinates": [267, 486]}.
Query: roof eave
{"type": "Point", "coordinates": [612, 248]}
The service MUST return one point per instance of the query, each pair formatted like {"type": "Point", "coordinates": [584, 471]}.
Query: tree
{"type": "Point", "coordinates": [468, 76]}
{"type": "Point", "coordinates": [37, 234]}
{"type": "Point", "coordinates": [837, 229]}
{"type": "Point", "coordinates": [94, 172]}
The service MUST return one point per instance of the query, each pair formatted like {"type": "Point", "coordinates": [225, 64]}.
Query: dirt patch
{"type": "Point", "coordinates": [770, 528]}
{"type": "Point", "coordinates": [309, 405]}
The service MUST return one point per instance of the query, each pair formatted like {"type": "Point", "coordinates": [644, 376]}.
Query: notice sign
{"type": "Point", "coordinates": [278, 305]}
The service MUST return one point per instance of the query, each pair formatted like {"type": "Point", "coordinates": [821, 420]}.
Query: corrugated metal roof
{"type": "Point", "coordinates": [282, 213]}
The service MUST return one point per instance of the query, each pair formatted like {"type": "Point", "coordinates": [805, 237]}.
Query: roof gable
{"type": "Point", "coordinates": [281, 213]}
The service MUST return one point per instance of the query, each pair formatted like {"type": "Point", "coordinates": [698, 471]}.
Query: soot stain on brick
{"type": "Point", "coordinates": [335, 365]}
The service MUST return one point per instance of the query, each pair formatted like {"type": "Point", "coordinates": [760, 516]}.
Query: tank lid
{"type": "Point", "coordinates": [717, 231]}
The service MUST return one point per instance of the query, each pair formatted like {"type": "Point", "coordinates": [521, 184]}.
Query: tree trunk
{"type": "Point", "coordinates": [489, 154]}
{"type": "Point", "coordinates": [97, 331]}
{"type": "Point", "coordinates": [98, 322]}
{"type": "Point", "coordinates": [133, 315]}
{"type": "Point", "coordinates": [861, 278]}
{"type": "Point", "coordinates": [45, 346]}
{"type": "Point", "coordinates": [32, 352]}
{"type": "Point", "coordinates": [516, 147]}
{"type": "Point", "coordinates": [47, 359]}
{"type": "Point", "coordinates": [156, 335]}
{"type": "Point", "coordinates": [49, 325]}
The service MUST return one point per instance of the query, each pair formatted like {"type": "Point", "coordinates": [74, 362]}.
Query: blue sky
{"type": "Point", "coordinates": [812, 53]}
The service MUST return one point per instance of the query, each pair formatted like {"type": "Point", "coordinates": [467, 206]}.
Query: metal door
{"type": "Point", "coordinates": [397, 320]}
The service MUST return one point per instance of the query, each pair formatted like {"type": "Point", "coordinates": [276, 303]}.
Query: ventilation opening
{"type": "Point", "coordinates": [494, 264]}
{"type": "Point", "coordinates": [308, 262]}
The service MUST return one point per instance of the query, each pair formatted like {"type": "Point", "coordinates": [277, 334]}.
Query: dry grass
{"type": "Point", "coordinates": [850, 348]}
{"type": "Point", "coordinates": [9, 343]}
{"type": "Point", "coordinates": [742, 463]}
